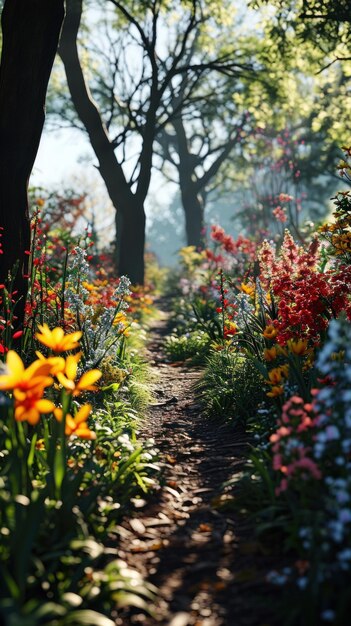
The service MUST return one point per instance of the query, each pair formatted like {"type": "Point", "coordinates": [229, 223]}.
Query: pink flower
{"type": "Point", "coordinates": [280, 214]}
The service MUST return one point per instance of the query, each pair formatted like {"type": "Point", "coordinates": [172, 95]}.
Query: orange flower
{"type": "Point", "coordinates": [17, 377]}
{"type": "Point", "coordinates": [57, 340]}
{"type": "Point", "coordinates": [270, 354]}
{"type": "Point", "coordinates": [230, 329]}
{"type": "Point", "coordinates": [77, 425]}
{"type": "Point", "coordinates": [276, 390]}
{"type": "Point", "coordinates": [275, 376]}
{"type": "Point", "coordinates": [30, 405]}
{"type": "Point", "coordinates": [298, 346]}
{"type": "Point", "coordinates": [85, 383]}
{"type": "Point", "coordinates": [284, 370]}
{"type": "Point", "coordinates": [270, 332]}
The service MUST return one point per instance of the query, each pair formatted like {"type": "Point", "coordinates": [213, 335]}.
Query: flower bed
{"type": "Point", "coordinates": [71, 467]}
{"type": "Point", "coordinates": [274, 323]}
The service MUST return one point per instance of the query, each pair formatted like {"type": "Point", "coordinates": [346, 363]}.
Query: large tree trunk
{"type": "Point", "coordinates": [31, 31]}
{"type": "Point", "coordinates": [130, 216]}
{"type": "Point", "coordinates": [194, 216]}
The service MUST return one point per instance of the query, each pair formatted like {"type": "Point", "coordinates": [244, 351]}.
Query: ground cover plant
{"type": "Point", "coordinates": [71, 465]}
{"type": "Point", "coordinates": [277, 315]}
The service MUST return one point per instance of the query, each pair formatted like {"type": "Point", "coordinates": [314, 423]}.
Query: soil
{"type": "Point", "coordinates": [188, 540]}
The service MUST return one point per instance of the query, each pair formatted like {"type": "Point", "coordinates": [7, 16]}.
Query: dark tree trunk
{"type": "Point", "coordinates": [31, 31]}
{"type": "Point", "coordinates": [194, 217]}
{"type": "Point", "coordinates": [130, 216]}
{"type": "Point", "coordinates": [193, 187]}
{"type": "Point", "coordinates": [130, 228]}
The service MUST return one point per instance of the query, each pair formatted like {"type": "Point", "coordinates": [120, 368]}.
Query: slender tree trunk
{"type": "Point", "coordinates": [189, 188]}
{"type": "Point", "coordinates": [130, 228]}
{"type": "Point", "coordinates": [31, 31]}
{"type": "Point", "coordinates": [194, 216]}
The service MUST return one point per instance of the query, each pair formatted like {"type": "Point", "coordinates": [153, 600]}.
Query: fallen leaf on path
{"type": "Point", "coordinates": [205, 528]}
{"type": "Point", "coordinates": [172, 483]}
{"type": "Point", "coordinates": [171, 459]}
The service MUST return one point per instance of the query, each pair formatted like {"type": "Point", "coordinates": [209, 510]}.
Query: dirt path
{"type": "Point", "coordinates": [199, 555]}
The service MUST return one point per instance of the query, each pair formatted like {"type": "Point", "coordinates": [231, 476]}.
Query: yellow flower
{"type": "Point", "coordinates": [57, 340]}
{"type": "Point", "coordinates": [298, 346]}
{"type": "Point", "coordinates": [248, 288]}
{"type": "Point", "coordinates": [55, 363]}
{"type": "Point", "coordinates": [275, 391]}
{"type": "Point", "coordinates": [270, 332]}
{"type": "Point", "coordinates": [324, 228]}
{"type": "Point", "coordinates": [88, 286]}
{"type": "Point", "coordinates": [277, 375]}
{"type": "Point", "coordinates": [30, 405]}
{"type": "Point", "coordinates": [77, 425]}
{"type": "Point", "coordinates": [338, 356]}
{"type": "Point", "coordinates": [17, 377]}
{"type": "Point", "coordinates": [120, 318]}
{"type": "Point", "coordinates": [270, 354]}
{"type": "Point", "coordinates": [217, 346]}
{"type": "Point", "coordinates": [230, 329]}
{"type": "Point", "coordinates": [85, 383]}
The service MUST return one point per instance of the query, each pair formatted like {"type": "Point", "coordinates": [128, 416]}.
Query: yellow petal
{"type": "Point", "coordinates": [71, 367]}
{"type": "Point", "coordinates": [65, 382]}
{"type": "Point", "coordinates": [29, 415]}
{"type": "Point", "coordinates": [33, 416]}
{"type": "Point", "coordinates": [58, 414]}
{"type": "Point", "coordinates": [44, 329]}
{"type": "Point", "coordinates": [70, 425]}
{"type": "Point", "coordinates": [45, 406]}
{"type": "Point", "coordinates": [38, 368]}
{"type": "Point", "coordinates": [57, 364]}
{"type": "Point", "coordinates": [85, 433]}
{"type": "Point", "coordinates": [19, 412]}
{"type": "Point", "coordinates": [73, 337]}
{"type": "Point", "coordinates": [6, 382]}
{"type": "Point", "coordinates": [88, 379]}
{"type": "Point", "coordinates": [83, 413]}
{"type": "Point", "coordinates": [14, 363]}
{"type": "Point", "coordinates": [57, 335]}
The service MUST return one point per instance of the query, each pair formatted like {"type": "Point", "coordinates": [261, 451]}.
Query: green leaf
{"type": "Point", "coordinates": [87, 617]}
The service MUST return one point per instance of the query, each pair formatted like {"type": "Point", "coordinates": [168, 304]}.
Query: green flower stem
{"type": "Point", "coordinates": [60, 464]}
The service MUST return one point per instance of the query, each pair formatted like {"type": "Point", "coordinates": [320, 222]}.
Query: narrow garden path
{"type": "Point", "coordinates": [188, 541]}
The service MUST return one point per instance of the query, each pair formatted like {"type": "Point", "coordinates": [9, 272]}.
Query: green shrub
{"type": "Point", "coordinates": [230, 388]}
{"type": "Point", "coordinates": [194, 346]}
